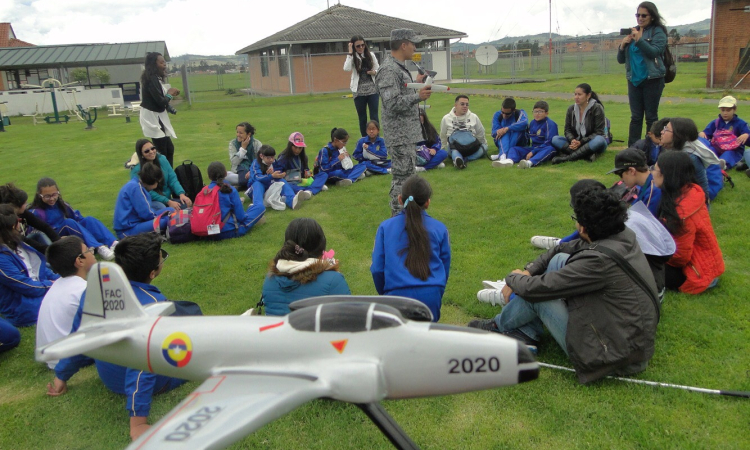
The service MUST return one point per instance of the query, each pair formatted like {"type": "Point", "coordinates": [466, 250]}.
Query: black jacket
{"type": "Point", "coordinates": [30, 220]}
{"type": "Point", "coordinates": [152, 97]}
{"type": "Point", "coordinates": [611, 320]}
{"type": "Point", "coordinates": [595, 123]}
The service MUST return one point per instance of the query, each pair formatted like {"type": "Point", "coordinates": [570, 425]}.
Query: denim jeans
{"type": "Point", "coordinates": [362, 104]}
{"type": "Point", "coordinates": [598, 144]}
{"type": "Point", "coordinates": [530, 318]}
{"type": "Point", "coordinates": [644, 99]}
{"type": "Point", "coordinates": [476, 155]}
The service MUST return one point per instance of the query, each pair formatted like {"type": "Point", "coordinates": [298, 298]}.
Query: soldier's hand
{"type": "Point", "coordinates": [425, 93]}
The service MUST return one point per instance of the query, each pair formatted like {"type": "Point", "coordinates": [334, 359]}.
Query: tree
{"type": "Point", "coordinates": [674, 35]}
{"type": "Point", "coordinates": [80, 75]}
{"type": "Point", "coordinates": [102, 75]}
{"type": "Point", "coordinates": [691, 33]}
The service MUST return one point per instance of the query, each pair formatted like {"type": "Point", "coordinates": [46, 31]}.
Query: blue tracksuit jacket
{"type": "Point", "coordinates": [378, 149]}
{"type": "Point", "coordinates": [516, 129]}
{"type": "Point", "coordinates": [133, 208]}
{"type": "Point", "coordinates": [20, 295]}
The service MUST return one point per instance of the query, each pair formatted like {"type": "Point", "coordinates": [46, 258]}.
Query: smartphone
{"type": "Point", "coordinates": [625, 31]}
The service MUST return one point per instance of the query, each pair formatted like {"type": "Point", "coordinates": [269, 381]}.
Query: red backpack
{"type": "Point", "coordinates": [206, 212]}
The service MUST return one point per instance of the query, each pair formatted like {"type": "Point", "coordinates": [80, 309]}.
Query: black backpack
{"type": "Point", "coordinates": [190, 178]}
{"type": "Point", "coordinates": [670, 65]}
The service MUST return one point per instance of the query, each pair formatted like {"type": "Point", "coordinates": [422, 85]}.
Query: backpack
{"type": "Point", "coordinates": [669, 64]}
{"type": "Point", "coordinates": [608, 130]}
{"type": "Point", "coordinates": [178, 230]}
{"type": "Point", "coordinates": [316, 164]}
{"type": "Point", "coordinates": [464, 141]}
{"type": "Point", "coordinates": [723, 140]}
{"type": "Point", "coordinates": [206, 212]}
{"type": "Point", "coordinates": [190, 178]}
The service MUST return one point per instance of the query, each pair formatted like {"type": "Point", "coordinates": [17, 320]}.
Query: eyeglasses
{"type": "Point", "coordinates": [463, 103]}
{"type": "Point", "coordinates": [666, 130]}
{"type": "Point", "coordinates": [50, 196]}
{"type": "Point", "coordinates": [343, 141]}
{"type": "Point", "coordinates": [507, 113]}
{"type": "Point", "coordinates": [360, 46]}
{"type": "Point", "coordinates": [538, 111]}
{"type": "Point", "coordinates": [575, 219]}
{"type": "Point", "coordinates": [88, 250]}
{"type": "Point", "coordinates": [619, 173]}
{"type": "Point", "coordinates": [164, 256]}
{"type": "Point", "coordinates": [149, 150]}
{"type": "Point", "coordinates": [642, 16]}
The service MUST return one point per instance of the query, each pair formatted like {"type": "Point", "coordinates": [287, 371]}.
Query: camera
{"type": "Point", "coordinates": [625, 31]}
{"type": "Point", "coordinates": [170, 109]}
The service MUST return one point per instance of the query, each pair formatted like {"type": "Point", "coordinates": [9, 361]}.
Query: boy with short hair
{"type": "Point", "coordinates": [631, 167]}
{"type": "Point", "coordinates": [509, 127]}
{"type": "Point", "coordinates": [540, 132]}
{"type": "Point", "coordinates": [721, 130]}
{"type": "Point", "coordinates": [651, 146]}
{"type": "Point", "coordinates": [71, 259]}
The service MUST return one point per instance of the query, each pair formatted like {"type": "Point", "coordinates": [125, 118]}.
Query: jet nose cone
{"type": "Point", "coordinates": [528, 369]}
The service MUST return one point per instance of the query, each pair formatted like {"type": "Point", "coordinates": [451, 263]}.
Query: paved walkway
{"type": "Point", "coordinates": [569, 96]}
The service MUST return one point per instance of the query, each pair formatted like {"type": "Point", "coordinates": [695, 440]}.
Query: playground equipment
{"type": "Point", "coordinates": [86, 115]}
{"type": "Point", "coordinates": [51, 82]}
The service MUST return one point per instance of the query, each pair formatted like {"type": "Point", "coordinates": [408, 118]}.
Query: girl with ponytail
{"type": "Point", "coordinates": [412, 254]}
{"type": "Point", "coordinates": [237, 221]}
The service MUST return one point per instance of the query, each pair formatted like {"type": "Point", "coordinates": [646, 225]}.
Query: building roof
{"type": "Point", "coordinates": [340, 23]}
{"type": "Point", "coordinates": [79, 55]}
{"type": "Point", "coordinates": [8, 37]}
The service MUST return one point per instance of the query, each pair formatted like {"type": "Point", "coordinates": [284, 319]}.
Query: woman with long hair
{"type": "Point", "coordinates": [412, 253]}
{"type": "Point", "coordinates": [169, 193]}
{"type": "Point", "coordinates": [363, 65]}
{"type": "Point", "coordinates": [155, 98]}
{"type": "Point", "coordinates": [698, 262]}
{"type": "Point", "coordinates": [584, 136]}
{"type": "Point", "coordinates": [299, 270]}
{"type": "Point", "coordinates": [24, 276]}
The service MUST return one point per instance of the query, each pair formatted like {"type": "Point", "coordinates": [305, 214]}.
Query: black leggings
{"type": "Point", "coordinates": [673, 277]}
{"type": "Point", "coordinates": [166, 148]}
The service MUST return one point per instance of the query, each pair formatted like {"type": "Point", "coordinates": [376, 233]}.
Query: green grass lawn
{"type": "Point", "coordinates": [491, 213]}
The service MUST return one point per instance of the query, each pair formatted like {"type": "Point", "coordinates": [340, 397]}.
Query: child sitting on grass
{"type": "Point", "coordinates": [540, 132]}
{"type": "Point", "coordinates": [727, 133]}
{"type": "Point", "coordinates": [371, 151]}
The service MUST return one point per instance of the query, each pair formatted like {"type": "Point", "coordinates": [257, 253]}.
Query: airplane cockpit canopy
{"type": "Point", "coordinates": [345, 317]}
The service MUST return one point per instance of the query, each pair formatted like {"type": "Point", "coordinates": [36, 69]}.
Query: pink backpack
{"type": "Point", "coordinates": [723, 140]}
{"type": "Point", "coordinates": [206, 211]}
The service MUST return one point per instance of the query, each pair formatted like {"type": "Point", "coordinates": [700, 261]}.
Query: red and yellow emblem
{"type": "Point", "coordinates": [177, 349]}
{"type": "Point", "coordinates": [340, 345]}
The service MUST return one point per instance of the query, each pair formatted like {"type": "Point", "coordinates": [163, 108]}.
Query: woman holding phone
{"type": "Point", "coordinates": [642, 52]}
{"type": "Point", "coordinates": [363, 65]}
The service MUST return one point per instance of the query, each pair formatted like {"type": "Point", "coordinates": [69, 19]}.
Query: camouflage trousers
{"type": "Point", "coordinates": [403, 160]}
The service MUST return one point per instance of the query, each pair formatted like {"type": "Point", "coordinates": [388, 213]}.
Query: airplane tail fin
{"type": "Point", "coordinates": [109, 296]}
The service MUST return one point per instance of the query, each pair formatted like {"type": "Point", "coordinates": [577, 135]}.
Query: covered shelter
{"type": "Point", "coordinates": [309, 56]}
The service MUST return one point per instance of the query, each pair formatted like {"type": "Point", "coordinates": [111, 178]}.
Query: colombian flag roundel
{"type": "Point", "coordinates": [177, 349]}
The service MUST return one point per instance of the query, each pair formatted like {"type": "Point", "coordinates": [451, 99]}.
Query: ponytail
{"type": "Point", "coordinates": [415, 193]}
{"type": "Point", "coordinates": [217, 172]}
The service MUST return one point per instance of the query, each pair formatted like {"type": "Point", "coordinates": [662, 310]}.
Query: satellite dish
{"type": "Point", "coordinates": [486, 55]}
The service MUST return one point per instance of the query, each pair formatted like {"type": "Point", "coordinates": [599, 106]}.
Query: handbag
{"type": "Point", "coordinates": [465, 142]}
{"type": "Point", "coordinates": [272, 197]}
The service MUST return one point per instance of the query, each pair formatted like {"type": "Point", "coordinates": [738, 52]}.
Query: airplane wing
{"type": "Point", "coordinates": [83, 341]}
{"type": "Point", "coordinates": [228, 407]}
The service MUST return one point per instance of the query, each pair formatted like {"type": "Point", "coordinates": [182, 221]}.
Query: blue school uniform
{"type": "Point", "coordinates": [260, 181]}
{"type": "Point", "coordinates": [137, 385]}
{"type": "Point", "coordinates": [10, 337]}
{"type": "Point", "coordinates": [133, 211]}
{"type": "Point", "coordinates": [738, 127]}
{"type": "Point", "coordinates": [237, 221]}
{"type": "Point", "coordinates": [20, 295]}
{"type": "Point", "coordinates": [540, 133]}
{"type": "Point", "coordinates": [330, 165]}
{"type": "Point", "coordinates": [439, 156]}
{"type": "Point", "coordinates": [389, 270]}
{"type": "Point", "coordinates": [516, 130]}
{"type": "Point", "coordinates": [72, 223]}
{"type": "Point", "coordinates": [295, 163]}
{"type": "Point", "coordinates": [377, 148]}
{"type": "Point", "coordinates": [650, 195]}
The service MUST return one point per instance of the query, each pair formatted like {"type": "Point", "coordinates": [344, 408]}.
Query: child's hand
{"type": "Point", "coordinates": [342, 155]}
{"type": "Point", "coordinates": [278, 174]}
{"type": "Point", "coordinates": [364, 146]}
{"type": "Point", "coordinates": [529, 155]}
{"type": "Point", "coordinates": [269, 171]}
{"type": "Point", "coordinates": [741, 139]}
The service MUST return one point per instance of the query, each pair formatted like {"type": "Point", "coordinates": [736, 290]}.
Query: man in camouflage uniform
{"type": "Point", "coordinates": [400, 117]}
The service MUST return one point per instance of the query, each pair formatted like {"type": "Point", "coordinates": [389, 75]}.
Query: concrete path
{"type": "Point", "coordinates": [569, 96]}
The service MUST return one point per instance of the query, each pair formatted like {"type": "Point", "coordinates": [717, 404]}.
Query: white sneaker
{"type": "Point", "coordinates": [499, 284]}
{"type": "Point", "coordinates": [420, 169]}
{"type": "Point", "coordinates": [441, 166]}
{"type": "Point", "coordinates": [503, 163]}
{"type": "Point", "coordinates": [345, 182]}
{"type": "Point", "coordinates": [495, 157]}
{"type": "Point", "coordinates": [114, 244]}
{"type": "Point", "coordinates": [362, 177]}
{"type": "Point", "coordinates": [296, 201]}
{"type": "Point", "coordinates": [249, 193]}
{"type": "Point", "coordinates": [544, 242]}
{"type": "Point", "coordinates": [524, 164]}
{"type": "Point", "coordinates": [306, 195]}
{"type": "Point", "coordinates": [324, 188]}
{"type": "Point", "coordinates": [492, 296]}
{"type": "Point", "coordinates": [106, 253]}
{"type": "Point", "coordinates": [723, 164]}
{"type": "Point", "coordinates": [389, 170]}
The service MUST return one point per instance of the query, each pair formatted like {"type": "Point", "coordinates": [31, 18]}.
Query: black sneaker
{"type": "Point", "coordinates": [741, 166]}
{"type": "Point", "coordinates": [459, 162]}
{"type": "Point", "coordinates": [747, 172]}
{"type": "Point", "coordinates": [484, 324]}
{"type": "Point", "coordinates": [521, 336]}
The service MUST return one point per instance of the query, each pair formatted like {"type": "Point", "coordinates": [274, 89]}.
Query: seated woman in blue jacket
{"type": "Point", "coordinates": [133, 211]}
{"type": "Point", "coordinates": [299, 269]}
{"type": "Point", "coordinates": [371, 151]}
{"type": "Point", "coordinates": [412, 253]}
{"type": "Point", "coordinates": [265, 171]}
{"type": "Point", "coordinates": [24, 276]}
{"type": "Point", "coordinates": [429, 150]}
{"type": "Point", "coordinates": [237, 221]}
{"type": "Point", "coordinates": [169, 193]}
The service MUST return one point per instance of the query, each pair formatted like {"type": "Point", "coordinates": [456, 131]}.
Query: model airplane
{"type": "Point", "coordinates": [255, 369]}
{"type": "Point", "coordinates": [428, 81]}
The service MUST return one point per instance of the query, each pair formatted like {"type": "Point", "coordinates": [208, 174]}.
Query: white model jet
{"type": "Point", "coordinates": [255, 369]}
{"type": "Point", "coordinates": [428, 81]}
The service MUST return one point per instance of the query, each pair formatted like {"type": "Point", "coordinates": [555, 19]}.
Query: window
{"type": "Point", "coordinates": [345, 317]}
{"type": "Point", "coordinates": [264, 64]}
{"type": "Point", "coordinates": [283, 63]}
{"type": "Point", "coordinates": [744, 64]}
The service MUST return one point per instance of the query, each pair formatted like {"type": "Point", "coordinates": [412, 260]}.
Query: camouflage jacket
{"type": "Point", "coordinates": [400, 114]}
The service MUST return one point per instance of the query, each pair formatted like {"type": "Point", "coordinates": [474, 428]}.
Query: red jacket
{"type": "Point", "coordinates": [698, 252]}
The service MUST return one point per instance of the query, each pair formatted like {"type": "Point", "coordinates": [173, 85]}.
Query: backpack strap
{"type": "Point", "coordinates": [630, 271]}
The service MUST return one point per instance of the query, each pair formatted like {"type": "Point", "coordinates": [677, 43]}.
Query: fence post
{"type": "Point", "coordinates": [185, 85]}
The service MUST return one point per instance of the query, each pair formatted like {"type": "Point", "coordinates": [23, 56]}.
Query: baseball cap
{"type": "Point", "coordinates": [728, 102]}
{"type": "Point", "coordinates": [406, 34]}
{"type": "Point", "coordinates": [630, 157]}
{"type": "Point", "coordinates": [297, 139]}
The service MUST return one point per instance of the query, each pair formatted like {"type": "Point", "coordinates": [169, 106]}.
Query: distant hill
{"type": "Point", "coordinates": [702, 28]}
{"type": "Point", "coordinates": [211, 60]}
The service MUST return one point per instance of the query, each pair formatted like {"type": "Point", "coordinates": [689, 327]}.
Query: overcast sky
{"type": "Point", "coordinates": [221, 27]}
